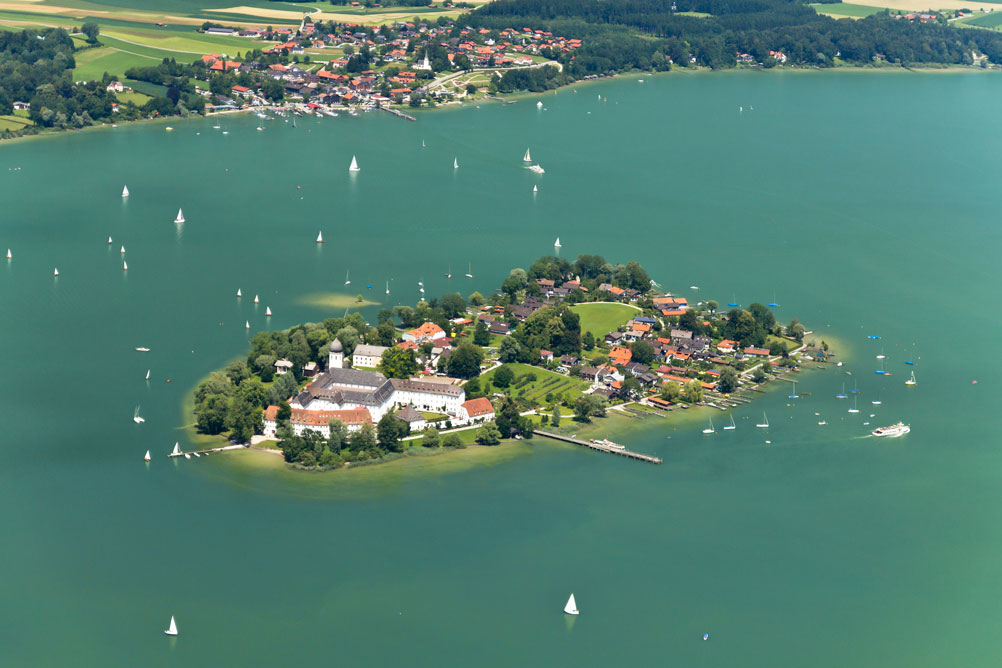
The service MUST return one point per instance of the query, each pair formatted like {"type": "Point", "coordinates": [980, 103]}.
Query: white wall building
{"type": "Point", "coordinates": [368, 356]}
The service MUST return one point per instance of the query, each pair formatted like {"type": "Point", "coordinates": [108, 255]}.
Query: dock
{"type": "Point", "coordinates": [401, 114]}
{"type": "Point", "coordinates": [210, 450]}
{"type": "Point", "coordinates": [597, 446]}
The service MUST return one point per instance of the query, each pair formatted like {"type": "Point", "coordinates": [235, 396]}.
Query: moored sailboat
{"type": "Point", "coordinates": [710, 429]}
{"type": "Point", "coordinates": [469, 271]}
{"type": "Point", "coordinates": [765, 422]}
{"type": "Point", "coordinates": [731, 426]}
{"type": "Point", "coordinates": [239, 293]}
{"type": "Point", "coordinates": [55, 272]}
{"type": "Point", "coordinates": [176, 451]}
{"type": "Point", "coordinates": [911, 381]}
{"type": "Point", "coordinates": [9, 255]}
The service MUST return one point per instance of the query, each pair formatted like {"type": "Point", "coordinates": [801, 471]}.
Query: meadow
{"type": "Point", "coordinates": [545, 383]}
{"type": "Point", "coordinates": [600, 318]}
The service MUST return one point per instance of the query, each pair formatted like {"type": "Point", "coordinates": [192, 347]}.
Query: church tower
{"type": "Point", "coordinates": [336, 358]}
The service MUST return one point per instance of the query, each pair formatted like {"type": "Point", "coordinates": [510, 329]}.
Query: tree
{"type": "Point", "coordinates": [670, 391]}
{"type": "Point", "coordinates": [643, 352]}
{"type": "Point", "coordinates": [796, 330]}
{"type": "Point", "coordinates": [712, 305]}
{"type": "Point", "coordinates": [91, 30]}
{"type": "Point", "coordinates": [556, 416]}
{"type": "Point", "coordinates": [588, 340]}
{"type": "Point", "coordinates": [510, 349]}
{"type": "Point", "coordinates": [253, 391]}
{"type": "Point", "coordinates": [481, 336]}
{"type": "Point", "coordinates": [476, 299]}
{"type": "Point", "coordinates": [243, 419]}
{"type": "Point", "coordinates": [470, 89]}
{"type": "Point", "coordinates": [503, 377]}
{"type": "Point", "coordinates": [453, 305]}
{"type": "Point", "coordinates": [389, 430]}
{"type": "Point", "coordinates": [398, 363]}
{"type": "Point", "coordinates": [472, 388]}
{"type": "Point", "coordinates": [728, 381]}
{"type": "Point", "coordinates": [588, 406]}
{"type": "Point", "coordinates": [386, 334]}
{"type": "Point", "coordinates": [430, 438]}
{"type": "Point", "coordinates": [464, 362]}
{"type": "Point", "coordinates": [693, 392]}
{"type": "Point", "coordinates": [210, 416]}
{"type": "Point", "coordinates": [452, 441]}
{"type": "Point", "coordinates": [489, 434]}
{"type": "Point", "coordinates": [339, 436]}
{"type": "Point", "coordinates": [363, 439]}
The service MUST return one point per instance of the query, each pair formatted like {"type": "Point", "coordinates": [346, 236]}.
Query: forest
{"type": "Point", "coordinates": [655, 35]}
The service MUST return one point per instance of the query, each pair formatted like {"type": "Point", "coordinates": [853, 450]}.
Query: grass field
{"type": "Point", "coordinates": [13, 122]}
{"type": "Point", "coordinates": [600, 318]}
{"type": "Point", "coordinates": [993, 20]}
{"type": "Point", "coordinates": [547, 382]}
{"type": "Point", "coordinates": [138, 99]}
{"type": "Point", "coordinates": [841, 9]}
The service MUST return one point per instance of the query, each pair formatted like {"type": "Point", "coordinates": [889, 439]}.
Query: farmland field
{"type": "Point", "coordinates": [546, 382]}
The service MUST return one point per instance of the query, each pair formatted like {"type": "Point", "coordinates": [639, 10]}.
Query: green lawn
{"type": "Point", "coordinates": [848, 10]}
{"type": "Point", "coordinates": [138, 99]}
{"type": "Point", "coordinates": [600, 319]}
{"type": "Point", "coordinates": [546, 382]}
{"type": "Point", "coordinates": [993, 20]}
{"type": "Point", "coordinates": [13, 122]}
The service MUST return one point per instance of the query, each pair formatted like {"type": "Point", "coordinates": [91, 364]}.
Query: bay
{"type": "Point", "coordinates": [863, 203]}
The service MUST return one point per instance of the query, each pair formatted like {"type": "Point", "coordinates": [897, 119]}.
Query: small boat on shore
{"type": "Point", "coordinates": [572, 607]}
{"type": "Point", "coordinates": [895, 430]}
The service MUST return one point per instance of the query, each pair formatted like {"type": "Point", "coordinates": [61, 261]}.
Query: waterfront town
{"type": "Point", "coordinates": [576, 340]}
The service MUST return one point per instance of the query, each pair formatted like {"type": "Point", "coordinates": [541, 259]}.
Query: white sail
{"type": "Point", "coordinates": [109, 241]}
{"type": "Point", "coordinates": [387, 287]}
{"type": "Point", "coordinates": [9, 256]}
{"type": "Point", "coordinates": [320, 237]}
{"type": "Point", "coordinates": [55, 272]}
{"type": "Point", "coordinates": [146, 458]}
{"type": "Point", "coordinates": [422, 143]}
{"type": "Point", "coordinates": [172, 629]}
{"type": "Point", "coordinates": [147, 374]}
{"type": "Point", "coordinates": [353, 167]}
{"type": "Point", "coordinates": [556, 244]}
{"type": "Point", "coordinates": [539, 105]}
{"type": "Point", "coordinates": [247, 324]}
{"type": "Point", "coordinates": [455, 163]}
{"type": "Point", "coordinates": [347, 279]}
{"type": "Point", "coordinates": [527, 158]}
{"type": "Point", "coordinates": [176, 450]}
{"type": "Point", "coordinates": [239, 293]}
{"type": "Point", "coordinates": [535, 189]}
{"type": "Point", "coordinates": [125, 265]}
{"type": "Point", "coordinates": [256, 300]}
{"type": "Point", "coordinates": [122, 250]}
{"type": "Point", "coordinates": [125, 191]}
{"type": "Point", "coordinates": [267, 310]}
{"type": "Point", "coordinates": [180, 216]}
{"type": "Point", "coordinates": [572, 607]}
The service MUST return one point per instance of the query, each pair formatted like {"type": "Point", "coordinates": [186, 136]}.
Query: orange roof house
{"type": "Point", "coordinates": [620, 356]}
{"type": "Point", "coordinates": [478, 408]}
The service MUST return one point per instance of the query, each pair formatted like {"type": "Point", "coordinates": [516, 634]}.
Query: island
{"type": "Point", "coordinates": [557, 346]}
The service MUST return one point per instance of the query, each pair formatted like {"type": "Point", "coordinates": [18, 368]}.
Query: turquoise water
{"type": "Point", "coordinates": [863, 203]}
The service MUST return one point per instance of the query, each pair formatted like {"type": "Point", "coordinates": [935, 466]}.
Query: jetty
{"type": "Point", "coordinates": [399, 113]}
{"type": "Point", "coordinates": [606, 446]}
{"type": "Point", "coordinates": [205, 452]}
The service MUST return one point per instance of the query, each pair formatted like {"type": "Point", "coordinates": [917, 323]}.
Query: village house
{"type": "Point", "coordinates": [476, 410]}
{"type": "Point", "coordinates": [429, 331]}
{"type": "Point", "coordinates": [283, 367]}
{"type": "Point", "coordinates": [365, 355]}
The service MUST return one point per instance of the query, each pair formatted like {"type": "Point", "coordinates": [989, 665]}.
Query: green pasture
{"type": "Point", "coordinates": [600, 318]}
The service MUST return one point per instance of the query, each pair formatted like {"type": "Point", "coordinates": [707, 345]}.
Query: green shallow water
{"type": "Point", "coordinates": [863, 203]}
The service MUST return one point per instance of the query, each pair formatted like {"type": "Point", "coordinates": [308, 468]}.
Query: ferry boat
{"type": "Point", "coordinates": [537, 169]}
{"type": "Point", "coordinates": [899, 429]}
{"type": "Point", "coordinates": [606, 443]}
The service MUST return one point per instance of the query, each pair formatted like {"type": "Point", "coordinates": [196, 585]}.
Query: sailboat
{"type": "Point", "coordinates": [469, 270]}
{"type": "Point", "coordinates": [172, 629]}
{"type": "Point", "coordinates": [877, 401]}
{"type": "Point", "coordinates": [180, 216]}
{"type": "Point", "coordinates": [176, 451]}
{"type": "Point", "coordinates": [125, 265]}
{"type": "Point", "coordinates": [320, 237]}
{"type": "Point", "coordinates": [147, 374]}
{"type": "Point", "coordinates": [353, 167]}
{"type": "Point", "coordinates": [387, 287]}
{"type": "Point", "coordinates": [256, 300]}
{"type": "Point", "coordinates": [854, 408]}
{"type": "Point", "coordinates": [794, 395]}
{"type": "Point", "coordinates": [730, 426]}
{"type": "Point", "coordinates": [246, 324]}
{"type": "Point", "coordinates": [710, 429]}
{"type": "Point", "coordinates": [109, 241]}
{"type": "Point", "coordinates": [9, 256]}
{"type": "Point", "coordinates": [55, 272]}
{"type": "Point", "coordinates": [556, 244]}
{"type": "Point", "coordinates": [855, 389]}
{"type": "Point", "coordinates": [125, 191]}
{"type": "Point", "coordinates": [267, 311]}
{"type": "Point", "coordinates": [911, 381]}
{"type": "Point", "coordinates": [422, 143]}
{"type": "Point", "coordinates": [572, 607]}
{"type": "Point", "coordinates": [527, 158]}
{"type": "Point", "coordinates": [881, 355]}
{"type": "Point", "coordinates": [239, 293]}
{"type": "Point", "coordinates": [122, 250]}
{"type": "Point", "coordinates": [842, 394]}
{"type": "Point", "coordinates": [539, 104]}
{"type": "Point", "coordinates": [765, 423]}
{"type": "Point", "coordinates": [347, 281]}
{"type": "Point", "coordinates": [455, 163]}
{"type": "Point", "coordinates": [146, 457]}
{"type": "Point", "coordinates": [535, 189]}
{"type": "Point", "coordinates": [448, 274]}
{"type": "Point", "coordinates": [136, 417]}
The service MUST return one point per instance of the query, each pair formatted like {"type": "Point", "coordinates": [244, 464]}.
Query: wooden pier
{"type": "Point", "coordinates": [399, 113]}
{"type": "Point", "coordinates": [598, 446]}
{"type": "Point", "coordinates": [205, 452]}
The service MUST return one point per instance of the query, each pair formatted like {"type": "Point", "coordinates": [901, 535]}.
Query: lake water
{"type": "Point", "coordinates": [863, 203]}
